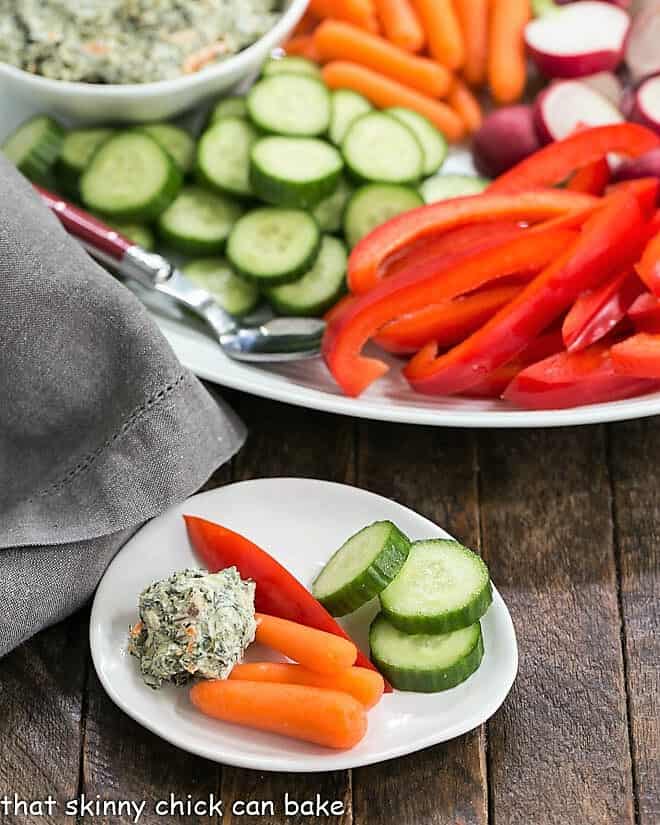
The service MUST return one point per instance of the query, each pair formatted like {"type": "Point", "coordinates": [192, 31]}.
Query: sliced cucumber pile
{"type": "Point", "coordinates": [319, 288]}
{"type": "Point", "coordinates": [223, 155]}
{"type": "Point", "coordinates": [290, 104]}
{"type": "Point", "coordinates": [443, 187]}
{"type": "Point", "coordinates": [443, 586]}
{"type": "Point", "coordinates": [235, 294]}
{"type": "Point", "coordinates": [274, 246]}
{"type": "Point", "coordinates": [361, 568]}
{"type": "Point", "coordinates": [198, 221]}
{"type": "Point", "coordinates": [432, 594]}
{"type": "Point", "coordinates": [273, 175]}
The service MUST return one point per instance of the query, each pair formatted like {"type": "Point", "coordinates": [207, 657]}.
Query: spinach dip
{"type": "Point", "coordinates": [193, 624]}
{"type": "Point", "coordinates": [128, 41]}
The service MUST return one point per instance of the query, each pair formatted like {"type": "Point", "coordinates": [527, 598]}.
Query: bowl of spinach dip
{"type": "Point", "coordinates": [136, 59]}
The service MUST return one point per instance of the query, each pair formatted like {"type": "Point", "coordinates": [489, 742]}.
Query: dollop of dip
{"type": "Point", "coordinates": [193, 624]}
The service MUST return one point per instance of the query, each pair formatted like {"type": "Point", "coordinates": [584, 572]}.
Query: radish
{"type": "Point", "coordinates": [579, 39]}
{"type": "Point", "coordinates": [642, 46]}
{"type": "Point", "coordinates": [568, 104]}
{"type": "Point", "coordinates": [645, 166]}
{"type": "Point", "coordinates": [646, 109]}
{"type": "Point", "coordinates": [506, 137]}
{"type": "Point", "coordinates": [606, 84]}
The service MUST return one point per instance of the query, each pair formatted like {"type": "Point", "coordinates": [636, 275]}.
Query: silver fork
{"type": "Point", "coordinates": [280, 339]}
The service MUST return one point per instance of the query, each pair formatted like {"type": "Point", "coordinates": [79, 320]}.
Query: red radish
{"type": "Point", "coordinates": [645, 166]}
{"type": "Point", "coordinates": [568, 104]}
{"type": "Point", "coordinates": [627, 103]}
{"type": "Point", "coordinates": [506, 137]}
{"type": "Point", "coordinates": [606, 84]}
{"type": "Point", "coordinates": [642, 52]}
{"type": "Point", "coordinates": [579, 39]}
{"type": "Point", "coordinates": [647, 103]}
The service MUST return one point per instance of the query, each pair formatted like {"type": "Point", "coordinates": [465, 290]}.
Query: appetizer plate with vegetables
{"type": "Point", "coordinates": [226, 623]}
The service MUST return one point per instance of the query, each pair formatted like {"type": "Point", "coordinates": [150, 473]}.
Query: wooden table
{"type": "Point", "coordinates": [569, 522]}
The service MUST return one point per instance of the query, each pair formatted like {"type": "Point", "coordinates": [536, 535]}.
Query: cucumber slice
{"type": "Point", "coordinates": [374, 204]}
{"type": "Point", "coordinates": [296, 172]}
{"type": "Point", "coordinates": [290, 65]}
{"type": "Point", "coordinates": [361, 568]}
{"type": "Point", "coordinates": [432, 141]}
{"type": "Point", "coordinates": [34, 147]}
{"type": "Point", "coordinates": [345, 107]}
{"type": "Point", "coordinates": [443, 187]}
{"type": "Point", "coordinates": [138, 233]}
{"type": "Point", "coordinates": [178, 144]}
{"type": "Point", "coordinates": [223, 155]}
{"type": "Point", "coordinates": [78, 148]}
{"type": "Point", "coordinates": [130, 177]}
{"type": "Point", "coordinates": [229, 107]}
{"type": "Point", "coordinates": [198, 221]}
{"type": "Point", "coordinates": [274, 246]}
{"type": "Point", "coordinates": [319, 288]}
{"type": "Point", "coordinates": [443, 587]}
{"type": "Point", "coordinates": [330, 211]}
{"type": "Point", "coordinates": [289, 104]}
{"type": "Point", "coordinates": [423, 662]}
{"type": "Point", "coordinates": [377, 147]}
{"type": "Point", "coordinates": [233, 293]}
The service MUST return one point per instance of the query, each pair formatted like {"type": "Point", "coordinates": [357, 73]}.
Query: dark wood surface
{"type": "Point", "coordinates": [569, 522]}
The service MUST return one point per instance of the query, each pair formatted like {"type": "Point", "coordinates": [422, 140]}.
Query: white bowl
{"type": "Point", "coordinates": [139, 102]}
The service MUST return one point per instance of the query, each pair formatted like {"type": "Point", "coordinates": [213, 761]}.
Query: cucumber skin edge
{"type": "Point", "coordinates": [407, 679]}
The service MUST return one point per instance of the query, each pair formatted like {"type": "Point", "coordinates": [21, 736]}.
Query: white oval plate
{"type": "Point", "coordinates": [301, 522]}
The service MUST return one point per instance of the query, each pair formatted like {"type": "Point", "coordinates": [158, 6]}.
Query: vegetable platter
{"type": "Point", "coordinates": [439, 696]}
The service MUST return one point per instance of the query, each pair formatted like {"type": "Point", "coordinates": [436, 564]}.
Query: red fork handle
{"type": "Point", "coordinates": [86, 227]}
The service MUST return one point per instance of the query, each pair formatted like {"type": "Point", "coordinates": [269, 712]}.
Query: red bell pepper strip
{"type": "Point", "coordinates": [645, 313]}
{"type": "Point", "coordinates": [648, 268]}
{"type": "Point", "coordinates": [335, 311]}
{"type": "Point", "coordinates": [278, 593]}
{"type": "Point", "coordinates": [638, 356]}
{"type": "Point", "coordinates": [592, 178]}
{"type": "Point", "coordinates": [646, 190]}
{"type": "Point", "coordinates": [555, 162]}
{"type": "Point", "coordinates": [573, 379]}
{"type": "Point", "coordinates": [416, 288]}
{"type": "Point", "coordinates": [372, 256]}
{"type": "Point", "coordinates": [610, 240]}
{"type": "Point", "coordinates": [597, 312]}
{"type": "Point", "coordinates": [445, 324]}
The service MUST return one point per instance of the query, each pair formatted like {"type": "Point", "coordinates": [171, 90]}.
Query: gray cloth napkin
{"type": "Point", "coordinates": [101, 428]}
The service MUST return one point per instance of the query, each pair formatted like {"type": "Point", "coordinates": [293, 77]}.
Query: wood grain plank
{"type": "Point", "coordinates": [432, 471]}
{"type": "Point", "coordinates": [41, 698]}
{"type": "Point", "coordinates": [291, 441]}
{"type": "Point", "coordinates": [558, 748]}
{"type": "Point", "coordinates": [635, 472]}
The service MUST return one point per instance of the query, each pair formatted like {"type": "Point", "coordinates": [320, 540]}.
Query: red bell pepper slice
{"type": "Point", "coordinates": [645, 313]}
{"type": "Point", "coordinates": [278, 592]}
{"type": "Point", "coordinates": [610, 240]}
{"type": "Point", "coordinates": [592, 178]}
{"type": "Point", "coordinates": [555, 162]}
{"type": "Point", "coordinates": [372, 256]}
{"type": "Point", "coordinates": [646, 190]}
{"type": "Point", "coordinates": [573, 379]}
{"type": "Point", "coordinates": [445, 324]}
{"type": "Point", "coordinates": [416, 288]}
{"type": "Point", "coordinates": [648, 268]}
{"type": "Point", "coordinates": [638, 356]}
{"type": "Point", "coordinates": [597, 312]}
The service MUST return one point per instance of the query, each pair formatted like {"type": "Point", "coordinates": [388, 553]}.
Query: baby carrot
{"type": "Point", "coordinates": [443, 33]}
{"type": "Point", "coordinates": [506, 50]}
{"type": "Point", "coordinates": [325, 717]}
{"type": "Point", "coordinates": [364, 685]}
{"type": "Point", "coordinates": [306, 25]}
{"type": "Point", "coordinates": [401, 24]}
{"type": "Point", "coordinates": [384, 92]}
{"type": "Point", "coordinates": [302, 45]}
{"type": "Point", "coordinates": [335, 40]}
{"type": "Point", "coordinates": [466, 105]}
{"type": "Point", "coordinates": [359, 12]}
{"type": "Point", "coordinates": [473, 20]}
{"type": "Point", "coordinates": [315, 649]}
